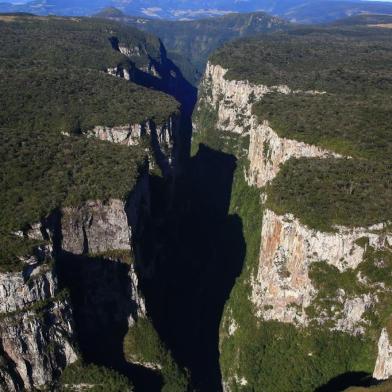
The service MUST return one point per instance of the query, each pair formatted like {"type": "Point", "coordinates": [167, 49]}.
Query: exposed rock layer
{"type": "Point", "coordinates": [36, 325]}
{"type": "Point", "coordinates": [232, 101]}
{"type": "Point", "coordinates": [282, 289]}
{"type": "Point", "coordinates": [281, 286]}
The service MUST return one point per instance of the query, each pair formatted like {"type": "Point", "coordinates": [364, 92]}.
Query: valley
{"type": "Point", "coordinates": [159, 237]}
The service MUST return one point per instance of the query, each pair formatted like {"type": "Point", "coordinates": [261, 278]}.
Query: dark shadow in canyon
{"type": "Point", "coordinates": [100, 292]}
{"type": "Point", "coordinates": [346, 380]}
{"type": "Point", "coordinates": [198, 252]}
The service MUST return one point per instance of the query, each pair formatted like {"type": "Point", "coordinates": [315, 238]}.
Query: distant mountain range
{"type": "Point", "coordinates": [304, 11]}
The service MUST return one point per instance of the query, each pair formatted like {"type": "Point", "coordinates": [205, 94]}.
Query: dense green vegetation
{"type": "Point", "coordinates": [52, 75]}
{"type": "Point", "coordinates": [97, 378]}
{"type": "Point", "coordinates": [290, 359]}
{"type": "Point", "coordinates": [74, 100]}
{"type": "Point", "coordinates": [80, 42]}
{"type": "Point", "coordinates": [333, 60]}
{"type": "Point", "coordinates": [193, 41]}
{"type": "Point", "coordinates": [53, 83]}
{"type": "Point", "coordinates": [327, 192]}
{"type": "Point", "coordinates": [352, 125]}
{"type": "Point", "coordinates": [43, 170]}
{"type": "Point", "coordinates": [143, 345]}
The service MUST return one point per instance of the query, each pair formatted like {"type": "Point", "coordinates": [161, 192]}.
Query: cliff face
{"type": "Point", "coordinates": [36, 325]}
{"type": "Point", "coordinates": [232, 102]}
{"type": "Point", "coordinates": [109, 232]}
{"type": "Point", "coordinates": [383, 369]}
{"type": "Point", "coordinates": [37, 331]}
{"type": "Point", "coordinates": [283, 289]}
{"type": "Point", "coordinates": [164, 140]}
{"type": "Point", "coordinates": [303, 277]}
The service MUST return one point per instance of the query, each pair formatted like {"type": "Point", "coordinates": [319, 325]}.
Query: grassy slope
{"type": "Point", "coordinates": [143, 345]}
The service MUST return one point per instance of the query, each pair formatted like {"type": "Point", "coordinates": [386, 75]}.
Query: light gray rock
{"type": "Point", "coordinates": [383, 368]}
{"type": "Point", "coordinates": [37, 345]}
{"type": "Point", "coordinates": [233, 100]}
{"type": "Point", "coordinates": [20, 290]}
{"type": "Point", "coordinates": [95, 227]}
{"type": "Point", "coordinates": [288, 248]}
{"type": "Point", "coordinates": [163, 138]}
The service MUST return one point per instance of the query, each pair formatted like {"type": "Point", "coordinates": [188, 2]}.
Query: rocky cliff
{"type": "Point", "coordinates": [324, 283]}
{"type": "Point", "coordinates": [283, 290]}
{"type": "Point", "coordinates": [37, 338]}
{"type": "Point", "coordinates": [163, 139]}
{"type": "Point", "coordinates": [109, 232]}
{"type": "Point", "coordinates": [231, 102]}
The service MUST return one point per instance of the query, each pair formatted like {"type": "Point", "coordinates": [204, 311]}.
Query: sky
{"type": "Point", "coordinates": [152, 1]}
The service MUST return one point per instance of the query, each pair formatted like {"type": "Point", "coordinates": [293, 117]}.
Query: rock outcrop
{"type": "Point", "coordinates": [383, 369]}
{"type": "Point", "coordinates": [98, 226]}
{"type": "Point", "coordinates": [95, 227]}
{"type": "Point", "coordinates": [36, 325]}
{"type": "Point", "coordinates": [109, 231]}
{"type": "Point", "coordinates": [282, 288]}
{"type": "Point", "coordinates": [232, 101]}
{"type": "Point", "coordinates": [164, 140]}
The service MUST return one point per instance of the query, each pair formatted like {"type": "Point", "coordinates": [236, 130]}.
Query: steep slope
{"type": "Point", "coordinates": [72, 203]}
{"type": "Point", "coordinates": [311, 307]}
{"type": "Point", "coordinates": [191, 42]}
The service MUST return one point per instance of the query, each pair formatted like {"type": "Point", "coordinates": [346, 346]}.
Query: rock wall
{"type": "Point", "coordinates": [232, 101]}
{"type": "Point", "coordinates": [163, 138]}
{"type": "Point", "coordinates": [97, 226]}
{"type": "Point", "coordinates": [108, 232]}
{"type": "Point", "coordinates": [36, 325]}
{"type": "Point", "coordinates": [282, 288]}
{"type": "Point", "coordinates": [37, 346]}
{"type": "Point", "coordinates": [383, 369]}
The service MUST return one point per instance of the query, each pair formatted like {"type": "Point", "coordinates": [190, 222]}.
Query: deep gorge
{"type": "Point", "coordinates": [154, 237]}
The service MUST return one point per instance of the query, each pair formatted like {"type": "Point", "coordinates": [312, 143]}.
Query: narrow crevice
{"type": "Point", "coordinates": [10, 365]}
{"type": "Point", "coordinates": [199, 253]}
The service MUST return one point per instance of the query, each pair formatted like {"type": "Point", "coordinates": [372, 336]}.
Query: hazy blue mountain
{"type": "Point", "coordinates": [309, 11]}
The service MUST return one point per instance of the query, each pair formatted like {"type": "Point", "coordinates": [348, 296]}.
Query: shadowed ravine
{"type": "Point", "coordinates": [193, 250]}
{"type": "Point", "coordinates": [200, 252]}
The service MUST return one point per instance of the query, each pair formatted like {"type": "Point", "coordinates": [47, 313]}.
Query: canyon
{"type": "Point", "coordinates": [177, 270]}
